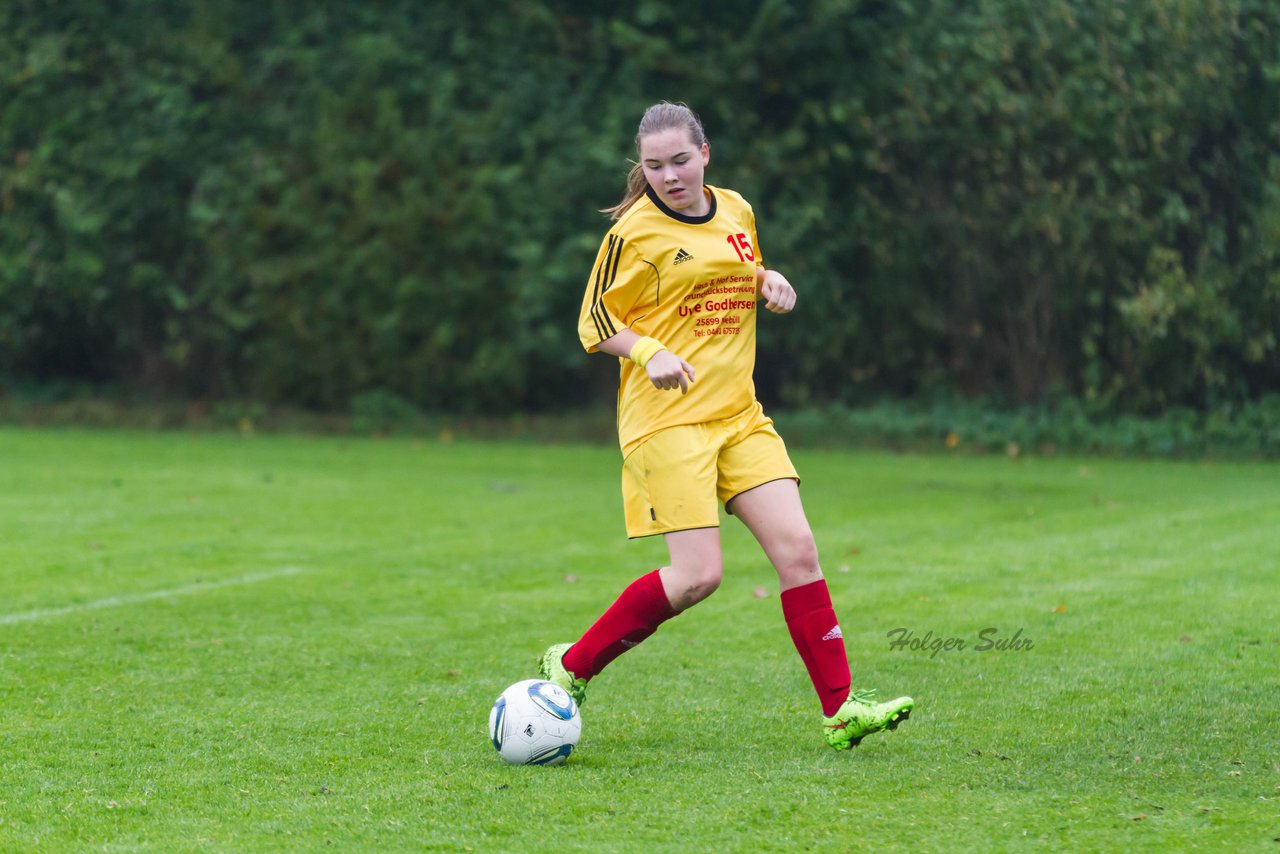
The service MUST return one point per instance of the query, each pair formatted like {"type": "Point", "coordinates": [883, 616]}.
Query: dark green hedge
{"type": "Point", "coordinates": [304, 203]}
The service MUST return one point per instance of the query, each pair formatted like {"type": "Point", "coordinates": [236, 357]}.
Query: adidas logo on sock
{"type": "Point", "coordinates": [834, 634]}
{"type": "Point", "coordinates": [681, 257]}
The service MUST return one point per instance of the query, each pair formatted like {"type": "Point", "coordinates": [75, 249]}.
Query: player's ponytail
{"type": "Point", "coordinates": [659, 117]}
{"type": "Point", "coordinates": [636, 185]}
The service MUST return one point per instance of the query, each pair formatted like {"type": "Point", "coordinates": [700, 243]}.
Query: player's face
{"type": "Point", "coordinates": [673, 167]}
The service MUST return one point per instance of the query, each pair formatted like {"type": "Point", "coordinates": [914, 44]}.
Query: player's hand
{"type": "Point", "coordinates": [667, 370]}
{"type": "Point", "coordinates": [777, 292]}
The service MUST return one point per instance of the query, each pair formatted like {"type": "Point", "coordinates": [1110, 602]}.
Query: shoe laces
{"type": "Point", "coordinates": [866, 696]}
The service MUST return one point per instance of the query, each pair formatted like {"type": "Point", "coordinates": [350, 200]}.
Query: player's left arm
{"type": "Point", "coordinates": [771, 286]}
{"type": "Point", "coordinates": [775, 290]}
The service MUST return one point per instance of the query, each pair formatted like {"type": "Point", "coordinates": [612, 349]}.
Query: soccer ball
{"type": "Point", "coordinates": [535, 722]}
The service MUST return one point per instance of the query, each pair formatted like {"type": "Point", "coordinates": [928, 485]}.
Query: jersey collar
{"type": "Point", "coordinates": [679, 217]}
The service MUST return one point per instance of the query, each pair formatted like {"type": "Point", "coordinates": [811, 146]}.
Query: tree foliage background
{"type": "Point", "coordinates": [300, 203]}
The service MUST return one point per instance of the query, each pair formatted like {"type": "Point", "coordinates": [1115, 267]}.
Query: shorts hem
{"type": "Point", "coordinates": [631, 536]}
{"type": "Point", "coordinates": [729, 500]}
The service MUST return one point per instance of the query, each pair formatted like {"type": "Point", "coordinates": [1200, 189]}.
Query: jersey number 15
{"type": "Point", "coordinates": [742, 246]}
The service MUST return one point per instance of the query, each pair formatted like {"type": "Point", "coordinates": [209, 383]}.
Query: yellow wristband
{"type": "Point", "coordinates": [644, 349]}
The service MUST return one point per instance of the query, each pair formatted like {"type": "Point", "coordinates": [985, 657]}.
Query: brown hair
{"type": "Point", "coordinates": [659, 117]}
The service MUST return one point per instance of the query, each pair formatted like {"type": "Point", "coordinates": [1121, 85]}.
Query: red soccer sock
{"type": "Point", "coordinates": [636, 614]}
{"type": "Point", "coordinates": [816, 634]}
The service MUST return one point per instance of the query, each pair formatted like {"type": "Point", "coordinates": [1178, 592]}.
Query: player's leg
{"type": "Point", "coordinates": [696, 567]}
{"type": "Point", "coordinates": [668, 487]}
{"type": "Point", "coordinates": [652, 599]}
{"type": "Point", "coordinates": [775, 516]}
{"type": "Point", "coordinates": [759, 485]}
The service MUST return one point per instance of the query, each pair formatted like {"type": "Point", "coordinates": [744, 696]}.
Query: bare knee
{"type": "Point", "coordinates": [796, 560]}
{"type": "Point", "coordinates": [688, 584]}
{"type": "Point", "coordinates": [696, 566]}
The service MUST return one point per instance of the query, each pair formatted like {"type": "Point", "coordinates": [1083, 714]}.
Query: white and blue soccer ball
{"type": "Point", "coordinates": [535, 722]}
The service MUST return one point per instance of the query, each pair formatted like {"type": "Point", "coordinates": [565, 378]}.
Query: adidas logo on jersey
{"type": "Point", "coordinates": [834, 634]}
{"type": "Point", "coordinates": [681, 257]}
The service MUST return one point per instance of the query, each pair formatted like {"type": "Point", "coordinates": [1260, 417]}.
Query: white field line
{"type": "Point", "coordinates": [133, 598]}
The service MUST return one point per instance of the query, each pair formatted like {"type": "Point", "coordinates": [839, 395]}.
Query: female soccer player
{"type": "Point", "coordinates": [673, 295]}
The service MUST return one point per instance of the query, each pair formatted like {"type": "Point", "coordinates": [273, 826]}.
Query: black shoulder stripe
{"type": "Point", "coordinates": [595, 300]}
{"type": "Point", "coordinates": [605, 275]}
{"type": "Point", "coordinates": [613, 274]}
{"type": "Point", "coordinates": [595, 292]}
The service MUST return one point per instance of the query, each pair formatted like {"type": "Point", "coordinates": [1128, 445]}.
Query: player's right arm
{"type": "Point", "coordinates": [618, 279]}
{"type": "Point", "coordinates": [666, 370]}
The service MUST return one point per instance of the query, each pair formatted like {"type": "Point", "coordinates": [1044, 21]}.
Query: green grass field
{"type": "Point", "coordinates": [216, 643]}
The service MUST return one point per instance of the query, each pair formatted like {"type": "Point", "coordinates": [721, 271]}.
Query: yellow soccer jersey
{"type": "Point", "coordinates": [690, 282]}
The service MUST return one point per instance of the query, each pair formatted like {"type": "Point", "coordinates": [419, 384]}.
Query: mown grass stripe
{"type": "Point", "coordinates": [135, 598]}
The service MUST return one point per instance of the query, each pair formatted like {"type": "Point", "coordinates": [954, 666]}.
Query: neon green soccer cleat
{"type": "Point", "coordinates": [551, 666]}
{"type": "Point", "coordinates": [860, 716]}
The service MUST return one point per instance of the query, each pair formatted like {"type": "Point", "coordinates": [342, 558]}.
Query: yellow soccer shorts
{"type": "Point", "coordinates": [676, 478]}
